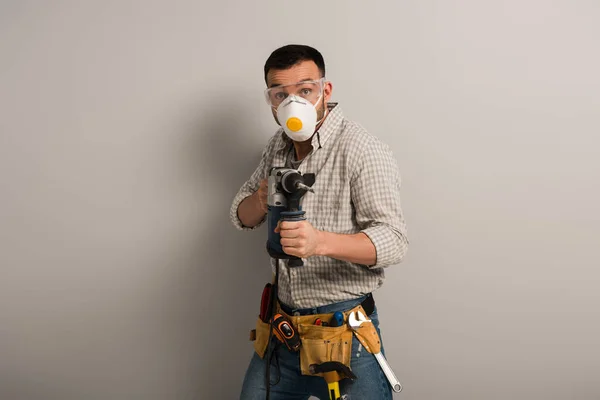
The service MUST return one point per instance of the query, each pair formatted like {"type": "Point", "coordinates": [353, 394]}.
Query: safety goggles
{"type": "Point", "coordinates": [309, 90]}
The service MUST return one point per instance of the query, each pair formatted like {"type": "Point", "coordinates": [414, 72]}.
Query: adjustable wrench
{"type": "Point", "coordinates": [355, 324]}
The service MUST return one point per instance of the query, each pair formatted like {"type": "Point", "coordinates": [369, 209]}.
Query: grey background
{"type": "Point", "coordinates": [127, 127]}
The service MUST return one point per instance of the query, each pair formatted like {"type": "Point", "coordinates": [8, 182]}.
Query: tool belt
{"type": "Point", "coordinates": [322, 343]}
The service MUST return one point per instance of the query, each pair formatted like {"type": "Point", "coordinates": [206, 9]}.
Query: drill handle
{"type": "Point", "coordinates": [274, 248]}
{"type": "Point", "coordinates": [294, 261]}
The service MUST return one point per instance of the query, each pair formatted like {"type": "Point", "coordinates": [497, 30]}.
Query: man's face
{"type": "Point", "coordinates": [305, 70]}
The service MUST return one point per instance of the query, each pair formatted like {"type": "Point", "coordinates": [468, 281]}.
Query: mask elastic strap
{"type": "Point", "coordinates": [324, 115]}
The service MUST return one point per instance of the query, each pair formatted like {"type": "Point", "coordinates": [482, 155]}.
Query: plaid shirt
{"type": "Point", "coordinates": [357, 189]}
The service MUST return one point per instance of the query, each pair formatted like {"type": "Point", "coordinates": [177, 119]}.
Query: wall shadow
{"type": "Point", "coordinates": [226, 269]}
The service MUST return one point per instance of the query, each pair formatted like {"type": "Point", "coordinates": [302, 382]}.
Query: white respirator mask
{"type": "Point", "coordinates": [298, 117]}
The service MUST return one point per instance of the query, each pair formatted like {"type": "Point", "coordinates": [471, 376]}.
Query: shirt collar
{"type": "Point", "coordinates": [332, 122]}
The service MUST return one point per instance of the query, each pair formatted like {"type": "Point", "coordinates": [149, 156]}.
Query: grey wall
{"type": "Point", "coordinates": [127, 127]}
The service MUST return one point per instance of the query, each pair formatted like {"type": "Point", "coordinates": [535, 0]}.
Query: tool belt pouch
{"type": "Point", "coordinates": [323, 343]}
{"type": "Point", "coordinates": [260, 337]}
{"type": "Point", "coordinates": [367, 335]}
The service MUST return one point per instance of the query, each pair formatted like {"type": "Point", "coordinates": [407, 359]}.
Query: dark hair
{"type": "Point", "coordinates": [287, 56]}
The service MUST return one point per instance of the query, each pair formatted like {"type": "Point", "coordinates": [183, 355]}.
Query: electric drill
{"type": "Point", "coordinates": [286, 188]}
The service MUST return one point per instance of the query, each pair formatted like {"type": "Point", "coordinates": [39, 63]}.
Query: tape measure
{"type": "Point", "coordinates": [285, 332]}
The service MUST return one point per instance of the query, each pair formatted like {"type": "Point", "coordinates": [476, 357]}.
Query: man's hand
{"type": "Point", "coordinates": [262, 193]}
{"type": "Point", "coordinates": [253, 208]}
{"type": "Point", "coordinates": [299, 239]}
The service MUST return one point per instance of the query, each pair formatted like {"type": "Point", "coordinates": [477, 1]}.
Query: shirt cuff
{"type": "Point", "coordinates": [233, 213]}
{"type": "Point", "coordinates": [389, 247]}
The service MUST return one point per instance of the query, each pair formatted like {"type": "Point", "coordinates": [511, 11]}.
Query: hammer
{"type": "Point", "coordinates": [333, 372]}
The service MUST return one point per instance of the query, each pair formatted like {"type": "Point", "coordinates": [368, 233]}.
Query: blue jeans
{"type": "Point", "coordinates": [371, 383]}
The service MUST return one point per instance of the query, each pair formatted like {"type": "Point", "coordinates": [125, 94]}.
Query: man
{"type": "Point", "coordinates": [354, 225]}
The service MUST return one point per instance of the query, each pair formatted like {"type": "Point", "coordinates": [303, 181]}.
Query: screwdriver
{"type": "Point", "coordinates": [337, 319]}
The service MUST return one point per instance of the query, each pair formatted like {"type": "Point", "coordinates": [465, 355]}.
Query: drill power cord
{"type": "Point", "coordinates": [270, 348]}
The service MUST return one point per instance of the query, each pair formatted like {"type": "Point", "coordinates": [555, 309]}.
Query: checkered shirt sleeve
{"type": "Point", "coordinates": [375, 191]}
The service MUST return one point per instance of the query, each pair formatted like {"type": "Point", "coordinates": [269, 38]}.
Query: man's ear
{"type": "Point", "coordinates": [327, 90]}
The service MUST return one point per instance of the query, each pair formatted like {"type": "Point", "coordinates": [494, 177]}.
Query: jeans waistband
{"type": "Point", "coordinates": [325, 309]}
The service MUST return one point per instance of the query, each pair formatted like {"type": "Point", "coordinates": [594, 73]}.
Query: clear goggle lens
{"type": "Point", "coordinates": [309, 90]}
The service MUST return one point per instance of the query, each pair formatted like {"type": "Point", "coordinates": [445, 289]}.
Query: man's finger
{"type": "Point", "coordinates": [290, 242]}
{"type": "Point", "coordinates": [289, 233]}
{"type": "Point", "coordinates": [292, 251]}
{"type": "Point", "coordinates": [289, 225]}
